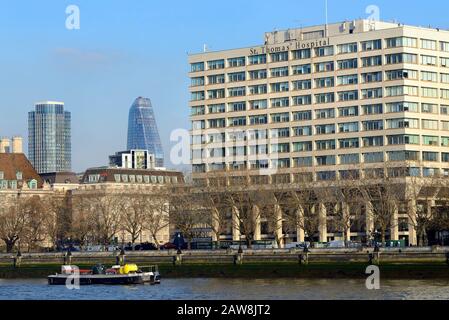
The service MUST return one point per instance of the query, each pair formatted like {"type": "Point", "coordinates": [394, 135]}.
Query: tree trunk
{"type": "Point", "coordinates": [9, 245]}
{"type": "Point", "coordinates": [383, 237]}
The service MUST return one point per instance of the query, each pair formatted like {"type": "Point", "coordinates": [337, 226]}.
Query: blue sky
{"type": "Point", "coordinates": [126, 49]}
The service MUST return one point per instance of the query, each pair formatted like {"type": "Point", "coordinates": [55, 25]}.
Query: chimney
{"type": "Point", "coordinates": [5, 145]}
{"type": "Point", "coordinates": [17, 144]}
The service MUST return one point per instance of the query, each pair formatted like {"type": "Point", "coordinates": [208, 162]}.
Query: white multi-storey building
{"type": "Point", "coordinates": [324, 102]}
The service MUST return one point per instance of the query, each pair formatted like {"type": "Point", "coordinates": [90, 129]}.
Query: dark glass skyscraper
{"type": "Point", "coordinates": [49, 138]}
{"type": "Point", "coordinates": [142, 130]}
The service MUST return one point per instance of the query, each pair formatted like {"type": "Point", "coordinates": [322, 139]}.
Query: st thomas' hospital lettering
{"type": "Point", "coordinates": [291, 46]}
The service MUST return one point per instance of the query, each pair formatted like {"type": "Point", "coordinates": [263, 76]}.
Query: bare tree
{"type": "Point", "coordinates": [13, 222]}
{"type": "Point", "coordinates": [157, 210]}
{"type": "Point", "coordinates": [82, 224]}
{"type": "Point", "coordinates": [132, 214]}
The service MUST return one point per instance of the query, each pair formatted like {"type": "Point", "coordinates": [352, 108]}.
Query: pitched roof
{"type": "Point", "coordinates": [11, 163]}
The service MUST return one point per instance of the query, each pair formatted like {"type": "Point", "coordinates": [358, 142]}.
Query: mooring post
{"type": "Point", "coordinates": [122, 257]}
{"type": "Point", "coordinates": [377, 254]}
{"type": "Point", "coordinates": [306, 254]}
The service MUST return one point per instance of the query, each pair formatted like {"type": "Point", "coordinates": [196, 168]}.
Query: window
{"type": "Point", "coordinates": [325, 113]}
{"type": "Point", "coordinates": [302, 146]}
{"type": "Point", "coordinates": [19, 175]}
{"type": "Point", "coordinates": [402, 107]}
{"type": "Point", "coordinates": [445, 125]}
{"type": "Point", "coordinates": [372, 61]}
{"type": "Point", "coordinates": [372, 77]}
{"type": "Point", "coordinates": [445, 157]}
{"type": "Point", "coordinates": [302, 131]}
{"type": "Point", "coordinates": [280, 102]}
{"type": "Point", "coordinates": [429, 60]}
{"type": "Point", "coordinates": [349, 158]}
{"type": "Point", "coordinates": [280, 148]}
{"type": "Point", "coordinates": [236, 62]}
{"type": "Point", "coordinates": [401, 58]}
{"type": "Point", "coordinates": [200, 110]}
{"type": "Point", "coordinates": [429, 108]}
{"type": "Point", "coordinates": [216, 79]}
{"type": "Point", "coordinates": [348, 111]}
{"type": "Point", "coordinates": [349, 143]}
{"type": "Point", "coordinates": [279, 56]}
{"type": "Point", "coordinates": [32, 184]}
{"type": "Point", "coordinates": [402, 123]}
{"type": "Point", "coordinates": [348, 95]}
{"type": "Point", "coordinates": [430, 124]}
{"type": "Point", "coordinates": [258, 74]}
{"type": "Point", "coordinates": [257, 59]}
{"type": "Point", "coordinates": [324, 66]}
{"type": "Point", "coordinates": [430, 141]}
{"type": "Point", "coordinates": [445, 94]}
{"type": "Point", "coordinates": [372, 93]}
{"type": "Point", "coordinates": [372, 109]}
{"type": "Point", "coordinates": [429, 92]}
{"type": "Point", "coordinates": [428, 44]}
{"type": "Point", "coordinates": [302, 69]}
{"type": "Point", "coordinates": [369, 142]}
{"type": "Point", "coordinates": [325, 97]}
{"type": "Point", "coordinates": [303, 162]}
{"type": "Point", "coordinates": [198, 125]}
{"type": "Point", "coordinates": [326, 160]}
{"type": "Point", "coordinates": [197, 67]}
{"type": "Point", "coordinates": [258, 120]}
{"type": "Point", "coordinates": [444, 110]}
{"type": "Point", "coordinates": [326, 145]}
{"type": "Point", "coordinates": [401, 74]}
{"type": "Point", "coordinates": [373, 157]}
{"type": "Point", "coordinates": [325, 129]}
{"type": "Point", "coordinates": [217, 123]}
{"type": "Point", "coordinates": [217, 108]}
{"type": "Point", "coordinates": [373, 125]}
{"type": "Point", "coordinates": [217, 94]}
{"type": "Point", "coordinates": [302, 100]}
{"type": "Point", "coordinates": [324, 51]}
{"type": "Point", "coordinates": [444, 62]}
{"type": "Point", "coordinates": [258, 104]}
{"type": "Point", "coordinates": [403, 155]}
{"type": "Point", "coordinates": [430, 156]}
{"type": "Point", "coordinates": [444, 46]}
{"type": "Point", "coordinates": [279, 87]}
{"type": "Point", "coordinates": [324, 82]}
{"type": "Point", "coordinates": [258, 89]}
{"type": "Point", "coordinates": [237, 92]}
{"type": "Point", "coordinates": [348, 127]}
{"type": "Point", "coordinates": [280, 117]}
{"type": "Point", "coordinates": [401, 91]}
{"type": "Point", "coordinates": [302, 85]}
{"type": "Point", "coordinates": [372, 45]}
{"type": "Point", "coordinates": [237, 106]}
{"type": "Point", "coordinates": [347, 80]}
{"type": "Point", "coordinates": [326, 175]}
{"type": "Point", "coordinates": [2, 175]}
{"type": "Point", "coordinates": [197, 82]}
{"type": "Point", "coordinates": [347, 48]}
{"type": "Point", "coordinates": [197, 96]}
{"type": "Point", "coordinates": [403, 139]}
{"type": "Point", "coordinates": [281, 163]}
{"type": "Point", "coordinates": [216, 64]}
{"type": "Point", "coordinates": [402, 42]}
{"type": "Point", "coordinates": [279, 72]}
{"type": "Point", "coordinates": [347, 64]}
{"type": "Point", "coordinates": [236, 77]}
{"type": "Point", "coordinates": [301, 54]}
{"type": "Point", "coordinates": [444, 78]}
{"type": "Point", "coordinates": [302, 116]}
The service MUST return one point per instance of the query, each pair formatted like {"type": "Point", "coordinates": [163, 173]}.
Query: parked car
{"type": "Point", "coordinates": [297, 245]}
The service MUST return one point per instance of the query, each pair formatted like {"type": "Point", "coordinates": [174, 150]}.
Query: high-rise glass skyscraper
{"type": "Point", "coordinates": [142, 130]}
{"type": "Point", "coordinates": [49, 138]}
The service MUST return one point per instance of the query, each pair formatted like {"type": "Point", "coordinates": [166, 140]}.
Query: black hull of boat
{"type": "Point", "coordinates": [104, 280]}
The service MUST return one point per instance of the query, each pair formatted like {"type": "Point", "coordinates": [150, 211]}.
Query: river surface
{"type": "Point", "coordinates": [232, 289]}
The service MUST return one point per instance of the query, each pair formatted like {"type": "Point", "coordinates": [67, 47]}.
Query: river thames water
{"type": "Point", "coordinates": [232, 289]}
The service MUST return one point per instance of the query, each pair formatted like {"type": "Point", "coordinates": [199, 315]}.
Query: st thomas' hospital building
{"type": "Point", "coordinates": [360, 98]}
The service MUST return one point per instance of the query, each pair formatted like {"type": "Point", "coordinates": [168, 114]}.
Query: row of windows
{"type": "Point", "coordinates": [332, 160]}
{"type": "Point", "coordinates": [321, 52]}
{"type": "Point", "coordinates": [13, 184]}
{"type": "Point", "coordinates": [329, 175]}
{"type": "Point", "coordinates": [327, 97]}
{"type": "Point", "coordinates": [369, 125]}
{"type": "Point", "coordinates": [124, 178]}
{"type": "Point", "coordinates": [342, 112]}
{"type": "Point", "coordinates": [325, 82]}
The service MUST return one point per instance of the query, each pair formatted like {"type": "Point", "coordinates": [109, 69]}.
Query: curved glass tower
{"type": "Point", "coordinates": [142, 130]}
